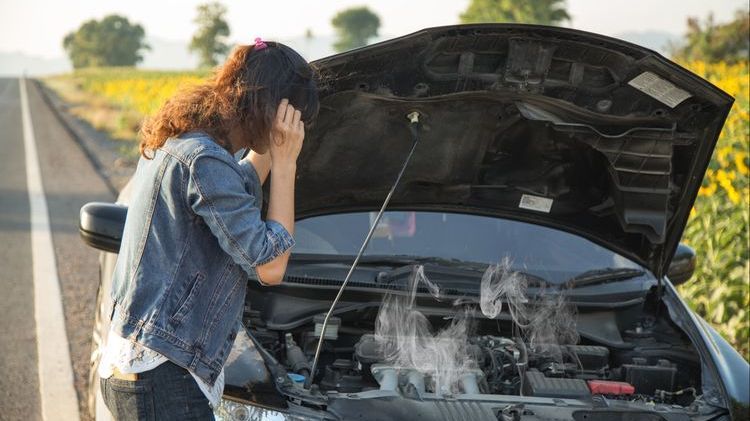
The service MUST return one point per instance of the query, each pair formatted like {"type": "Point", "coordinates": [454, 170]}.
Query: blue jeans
{"type": "Point", "coordinates": [168, 392]}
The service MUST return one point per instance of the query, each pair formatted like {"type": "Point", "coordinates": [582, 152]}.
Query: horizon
{"type": "Point", "coordinates": [651, 25]}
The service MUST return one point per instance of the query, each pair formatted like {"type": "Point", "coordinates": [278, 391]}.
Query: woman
{"type": "Point", "coordinates": [194, 232]}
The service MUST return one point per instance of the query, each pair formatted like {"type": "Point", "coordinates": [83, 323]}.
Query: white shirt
{"type": "Point", "coordinates": [132, 357]}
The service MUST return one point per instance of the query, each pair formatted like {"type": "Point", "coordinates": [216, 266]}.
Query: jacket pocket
{"type": "Point", "coordinates": [187, 300]}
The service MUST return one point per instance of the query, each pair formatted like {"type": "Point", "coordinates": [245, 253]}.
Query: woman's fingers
{"type": "Point", "coordinates": [281, 111]}
{"type": "Point", "coordinates": [289, 116]}
{"type": "Point", "coordinates": [288, 131]}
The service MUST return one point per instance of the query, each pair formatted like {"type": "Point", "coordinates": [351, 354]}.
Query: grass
{"type": "Point", "coordinates": [115, 100]}
{"type": "Point", "coordinates": [718, 225]}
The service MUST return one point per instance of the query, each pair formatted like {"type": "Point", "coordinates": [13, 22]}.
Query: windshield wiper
{"type": "Point", "coordinates": [459, 270]}
{"type": "Point", "coordinates": [348, 259]}
{"type": "Point", "coordinates": [598, 276]}
{"type": "Point", "coordinates": [403, 264]}
{"type": "Point", "coordinates": [392, 260]}
{"type": "Point", "coordinates": [449, 271]}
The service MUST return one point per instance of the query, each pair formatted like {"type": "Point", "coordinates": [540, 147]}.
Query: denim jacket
{"type": "Point", "coordinates": [193, 236]}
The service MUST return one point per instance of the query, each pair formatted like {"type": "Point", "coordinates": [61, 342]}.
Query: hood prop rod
{"type": "Point", "coordinates": [413, 127]}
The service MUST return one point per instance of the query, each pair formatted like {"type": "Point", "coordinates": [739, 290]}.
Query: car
{"type": "Point", "coordinates": [525, 266]}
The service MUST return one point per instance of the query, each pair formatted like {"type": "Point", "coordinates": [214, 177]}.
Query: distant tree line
{"type": "Point", "coordinates": [115, 41]}
{"type": "Point", "coordinates": [542, 12]}
{"type": "Point", "coordinates": [112, 41]}
{"type": "Point", "coordinates": [354, 27]}
{"type": "Point", "coordinates": [210, 40]}
{"type": "Point", "coordinates": [711, 41]}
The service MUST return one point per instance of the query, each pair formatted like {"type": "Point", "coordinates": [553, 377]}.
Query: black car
{"type": "Point", "coordinates": [525, 266]}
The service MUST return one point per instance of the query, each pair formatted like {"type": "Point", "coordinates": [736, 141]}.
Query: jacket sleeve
{"type": "Point", "coordinates": [217, 192]}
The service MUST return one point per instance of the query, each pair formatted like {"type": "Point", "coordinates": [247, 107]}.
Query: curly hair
{"type": "Point", "coordinates": [244, 92]}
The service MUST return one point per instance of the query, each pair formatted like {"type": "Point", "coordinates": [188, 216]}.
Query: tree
{"type": "Point", "coordinates": [710, 41]}
{"type": "Point", "coordinates": [544, 12]}
{"type": "Point", "coordinates": [209, 41]}
{"type": "Point", "coordinates": [354, 27]}
{"type": "Point", "coordinates": [113, 41]}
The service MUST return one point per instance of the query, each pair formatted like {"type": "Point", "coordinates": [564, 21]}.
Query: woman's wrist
{"type": "Point", "coordinates": [280, 166]}
{"type": "Point", "coordinates": [261, 164]}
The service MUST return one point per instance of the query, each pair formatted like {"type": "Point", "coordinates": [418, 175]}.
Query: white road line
{"type": "Point", "coordinates": [56, 390]}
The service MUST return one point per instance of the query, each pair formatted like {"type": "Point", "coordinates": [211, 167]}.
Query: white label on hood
{"type": "Point", "coordinates": [660, 89]}
{"type": "Point", "coordinates": [536, 203]}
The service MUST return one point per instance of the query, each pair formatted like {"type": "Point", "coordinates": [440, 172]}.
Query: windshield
{"type": "Point", "coordinates": [545, 252]}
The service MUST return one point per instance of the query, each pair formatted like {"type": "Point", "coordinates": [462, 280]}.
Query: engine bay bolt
{"type": "Point", "coordinates": [603, 105]}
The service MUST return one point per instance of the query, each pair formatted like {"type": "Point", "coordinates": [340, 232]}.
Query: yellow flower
{"type": "Point", "coordinates": [724, 179]}
{"type": "Point", "coordinates": [739, 162]}
{"type": "Point", "coordinates": [721, 155]}
{"type": "Point", "coordinates": [708, 190]}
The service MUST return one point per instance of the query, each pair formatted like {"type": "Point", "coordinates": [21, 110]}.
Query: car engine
{"type": "Point", "coordinates": [426, 342]}
{"type": "Point", "coordinates": [649, 371]}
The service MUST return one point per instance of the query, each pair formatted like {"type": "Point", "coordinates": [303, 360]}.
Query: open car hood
{"type": "Point", "coordinates": [564, 128]}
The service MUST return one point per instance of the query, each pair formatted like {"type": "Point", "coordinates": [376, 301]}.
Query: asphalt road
{"type": "Point", "coordinates": [69, 181]}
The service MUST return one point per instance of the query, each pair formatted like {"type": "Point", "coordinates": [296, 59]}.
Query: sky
{"type": "Point", "coordinates": [37, 27]}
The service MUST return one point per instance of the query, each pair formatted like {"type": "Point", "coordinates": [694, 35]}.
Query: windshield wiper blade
{"type": "Point", "coordinates": [598, 276]}
{"type": "Point", "coordinates": [403, 265]}
{"type": "Point", "coordinates": [387, 260]}
{"type": "Point", "coordinates": [461, 271]}
{"type": "Point", "coordinates": [456, 272]}
{"type": "Point", "coordinates": [348, 259]}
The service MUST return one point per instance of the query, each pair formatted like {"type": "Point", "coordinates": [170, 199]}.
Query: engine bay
{"type": "Point", "coordinates": [501, 366]}
{"type": "Point", "coordinates": [422, 346]}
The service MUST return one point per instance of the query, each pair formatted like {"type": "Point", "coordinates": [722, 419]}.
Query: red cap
{"type": "Point", "coordinates": [606, 387]}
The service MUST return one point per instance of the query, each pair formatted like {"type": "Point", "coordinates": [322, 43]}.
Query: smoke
{"type": "Point", "coordinates": [546, 322]}
{"type": "Point", "coordinates": [406, 338]}
{"type": "Point", "coordinates": [418, 277]}
{"type": "Point", "coordinates": [499, 284]}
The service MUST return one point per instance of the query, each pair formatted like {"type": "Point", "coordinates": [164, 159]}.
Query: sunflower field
{"type": "Point", "coordinates": [718, 224]}
{"type": "Point", "coordinates": [116, 100]}
{"type": "Point", "coordinates": [137, 90]}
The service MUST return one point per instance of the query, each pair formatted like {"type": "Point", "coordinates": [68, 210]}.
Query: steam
{"type": "Point", "coordinates": [407, 340]}
{"type": "Point", "coordinates": [546, 323]}
{"type": "Point", "coordinates": [500, 284]}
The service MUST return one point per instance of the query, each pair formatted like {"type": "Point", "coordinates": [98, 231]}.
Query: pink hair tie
{"type": "Point", "coordinates": [259, 44]}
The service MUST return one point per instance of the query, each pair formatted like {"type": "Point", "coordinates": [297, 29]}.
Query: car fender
{"type": "Point", "coordinates": [726, 374]}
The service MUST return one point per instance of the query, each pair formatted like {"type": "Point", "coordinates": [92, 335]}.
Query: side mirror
{"type": "Point", "coordinates": [683, 265]}
{"type": "Point", "coordinates": [101, 225]}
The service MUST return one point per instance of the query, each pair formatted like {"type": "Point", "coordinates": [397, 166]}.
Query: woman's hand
{"type": "Point", "coordinates": [287, 134]}
{"type": "Point", "coordinates": [286, 142]}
